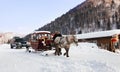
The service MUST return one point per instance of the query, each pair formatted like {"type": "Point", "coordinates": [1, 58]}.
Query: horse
{"type": "Point", "coordinates": [64, 42]}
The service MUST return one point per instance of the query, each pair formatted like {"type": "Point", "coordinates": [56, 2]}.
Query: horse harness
{"type": "Point", "coordinates": [67, 40]}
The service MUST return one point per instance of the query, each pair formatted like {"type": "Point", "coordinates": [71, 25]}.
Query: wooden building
{"type": "Point", "coordinates": [108, 40]}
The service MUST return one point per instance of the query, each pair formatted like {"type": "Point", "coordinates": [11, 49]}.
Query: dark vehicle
{"type": "Point", "coordinates": [17, 42]}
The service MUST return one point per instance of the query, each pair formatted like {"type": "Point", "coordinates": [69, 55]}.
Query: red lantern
{"type": "Point", "coordinates": [114, 40]}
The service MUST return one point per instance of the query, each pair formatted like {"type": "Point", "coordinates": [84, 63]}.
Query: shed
{"type": "Point", "coordinates": [102, 38]}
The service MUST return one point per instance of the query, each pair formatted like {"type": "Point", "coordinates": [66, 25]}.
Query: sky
{"type": "Point", "coordinates": [25, 16]}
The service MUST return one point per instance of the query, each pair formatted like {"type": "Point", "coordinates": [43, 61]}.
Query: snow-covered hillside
{"type": "Point", "coordinates": [4, 37]}
{"type": "Point", "coordinates": [86, 57]}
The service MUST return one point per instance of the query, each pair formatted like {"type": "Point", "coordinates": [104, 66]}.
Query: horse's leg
{"type": "Point", "coordinates": [66, 53]}
{"type": "Point", "coordinates": [60, 51]}
{"type": "Point", "coordinates": [55, 52]}
{"type": "Point", "coordinates": [55, 49]}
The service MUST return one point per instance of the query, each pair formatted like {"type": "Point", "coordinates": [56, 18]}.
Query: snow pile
{"type": "Point", "coordinates": [86, 57]}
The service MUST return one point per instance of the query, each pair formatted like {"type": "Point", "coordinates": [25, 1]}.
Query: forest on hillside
{"type": "Point", "coordinates": [89, 16]}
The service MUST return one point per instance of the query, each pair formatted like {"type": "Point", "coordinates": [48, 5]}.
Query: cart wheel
{"type": "Point", "coordinates": [11, 46]}
{"type": "Point", "coordinates": [29, 51]}
{"type": "Point", "coordinates": [46, 54]}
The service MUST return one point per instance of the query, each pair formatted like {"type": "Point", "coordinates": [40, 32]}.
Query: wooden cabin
{"type": "Point", "coordinates": [109, 40]}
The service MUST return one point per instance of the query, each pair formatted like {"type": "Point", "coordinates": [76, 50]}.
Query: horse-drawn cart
{"type": "Point", "coordinates": [41, 40]}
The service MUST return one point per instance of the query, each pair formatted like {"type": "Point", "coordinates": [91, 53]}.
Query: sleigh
{"type": "Point", "coordinates": [41, 40]}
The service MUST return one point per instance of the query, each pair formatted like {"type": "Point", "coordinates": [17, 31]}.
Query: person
{"type": "Point", "coordinates": [57, 34]}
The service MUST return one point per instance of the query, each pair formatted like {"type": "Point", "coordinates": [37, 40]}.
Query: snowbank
{"type": "Point", "coordinates": [83, 58]}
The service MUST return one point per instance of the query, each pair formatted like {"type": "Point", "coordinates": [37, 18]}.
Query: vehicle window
{"type": "Point", "coordinates": [34, 38]}
{"type": "Point", "coordinates": [19, 40]}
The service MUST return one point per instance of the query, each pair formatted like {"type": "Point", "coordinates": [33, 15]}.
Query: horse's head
{"type": "Point", "coordinates": [74, 40]}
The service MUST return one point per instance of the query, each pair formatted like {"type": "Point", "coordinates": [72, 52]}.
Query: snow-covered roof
{"type": "Point", "coordinates": [98, 34]}
{"type": "Point", "coordinates": [41, 32]}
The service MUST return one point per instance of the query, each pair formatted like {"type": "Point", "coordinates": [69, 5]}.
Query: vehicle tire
{"type": "Point", "coordinates": [20, 47]}
{"type": "Point", "coordinates": [27, 46]}
{"type": "Point", "coordinates": [11, 47]}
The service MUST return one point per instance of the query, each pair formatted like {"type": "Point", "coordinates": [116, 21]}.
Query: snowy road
{"type": "Point", "coordinates": [83, 58]}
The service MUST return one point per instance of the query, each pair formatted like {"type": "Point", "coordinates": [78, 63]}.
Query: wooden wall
{"type": "Point", "coordinates": [102, 42]}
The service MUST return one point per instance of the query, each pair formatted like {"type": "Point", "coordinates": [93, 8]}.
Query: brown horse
{"type": "Point", "coordinates": [64, 42]}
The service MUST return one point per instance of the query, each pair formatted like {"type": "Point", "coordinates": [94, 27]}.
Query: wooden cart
{"type": "Point", "coordinates": [41, 40]}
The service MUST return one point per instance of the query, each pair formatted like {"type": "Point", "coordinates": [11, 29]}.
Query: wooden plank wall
{"type": "Point", "coordinates": [103, 42]}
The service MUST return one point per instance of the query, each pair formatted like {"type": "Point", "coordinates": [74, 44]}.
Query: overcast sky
{"type": "Point", "coordinates": [24, 16]}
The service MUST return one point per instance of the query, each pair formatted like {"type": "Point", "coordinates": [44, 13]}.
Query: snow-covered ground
{"type": "Point", "coordinates": [83, 58]}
